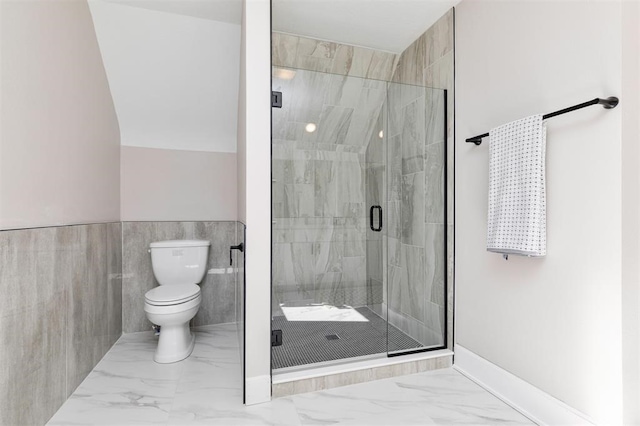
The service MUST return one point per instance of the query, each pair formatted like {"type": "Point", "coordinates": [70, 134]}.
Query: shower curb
{"type": "Point", "coordinates": [328, 380]}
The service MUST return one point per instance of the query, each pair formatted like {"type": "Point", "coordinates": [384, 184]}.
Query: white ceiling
{"type": "Point", "coordinates": [390, 25]}
{"type": "Point", "coordinates": [216, 10]}
{"type": "Point", "coordinates": [174, 78]}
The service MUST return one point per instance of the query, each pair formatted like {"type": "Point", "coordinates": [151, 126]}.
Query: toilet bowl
{"type": "Point", "coordinates": [176, 341]}
{"type": "Point", "coordinates": [178, 266]}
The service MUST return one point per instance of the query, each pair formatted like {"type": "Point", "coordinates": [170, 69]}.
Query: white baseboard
{"type": "Point", "coordinates": [534, 403]}
{"type": "Point", "coordinates": [257, 390]}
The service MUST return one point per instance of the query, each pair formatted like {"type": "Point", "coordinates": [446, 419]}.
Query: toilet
{"type": "Point", "coordinates": [178, 265]}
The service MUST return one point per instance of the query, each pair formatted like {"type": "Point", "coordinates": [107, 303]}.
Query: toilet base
{"type": "Point", "coordinates": [176, 341]}
{"type": "Point", "coordinates": [175, 344]}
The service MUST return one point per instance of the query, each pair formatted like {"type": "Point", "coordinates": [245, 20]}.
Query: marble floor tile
{"type": "Point", "coordinates": [128, 388]}
{"type": "Point", "coordinates": [434, 397]}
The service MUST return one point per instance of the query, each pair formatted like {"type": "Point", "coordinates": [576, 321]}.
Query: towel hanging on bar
{"type": "Point", "coordinates": [609, 103]}
{"type": "Point", "coordinates": [517, 197]}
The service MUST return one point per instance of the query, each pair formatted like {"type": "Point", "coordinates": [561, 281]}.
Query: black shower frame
{"type": "Point", "coordinates": [445, 224]}
{"type": "Point", "coordinates": [446, 242]}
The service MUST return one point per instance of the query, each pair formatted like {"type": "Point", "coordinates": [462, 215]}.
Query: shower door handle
{"type": "Point", "coordinates": [373, 228]}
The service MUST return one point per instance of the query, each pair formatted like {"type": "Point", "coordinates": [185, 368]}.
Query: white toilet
{"type": "Point", "coordinates": [178, 266]}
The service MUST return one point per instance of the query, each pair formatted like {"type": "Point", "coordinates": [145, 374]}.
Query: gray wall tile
{"type": "Point", "coordinates": [59, 314]}
{"type": "Point", "coordinates": [427, 62]}
{"type": "Point", "coordinates": [394, 168]}
{"type": "Point", "coordinates": [218, 287]}
{"type": "Point", "coordinates": [434, 183]}
{"type": "Point", "coordinates": [87, 333]}
{"type": "Point", "coordinates": [413, 135]}
{"type": "Point", "coordinates": [32, 362]}
{"type": "Point", "coordinates": [413, 209]}
{"type": "Point", "coordinates": [359, 376]}
{"type": "Point", "coordinates": [137, 275]}
{"type": "Point", "coordinates": [285, 47]}
{"type": "Point", "coordinates": [315, 55]}
{"type": "Point", "coordinates": [114, 275]}
{"type": "Point", "coordinates": [435, 263]}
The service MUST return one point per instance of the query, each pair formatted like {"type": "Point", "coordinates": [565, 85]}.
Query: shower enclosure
{"type": "Point", "coordinates": [358, 218]}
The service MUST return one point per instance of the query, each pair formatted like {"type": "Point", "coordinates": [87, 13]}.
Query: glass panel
{"type": "Point", "coordinates": [325, 288]}
{"type": "Point", "coordinates": [415, 212]}
{"type": "Point", "coordinates": [358, 208]}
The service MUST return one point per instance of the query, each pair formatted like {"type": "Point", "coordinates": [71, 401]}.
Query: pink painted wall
{"type": "Point", "coordinates": [169, 184]}
{"type": "Point", "coordinates": [59, 135]}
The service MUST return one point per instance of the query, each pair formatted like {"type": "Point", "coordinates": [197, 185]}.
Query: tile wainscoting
{"type": "Point", "coordinates": [60, 312]}
{"type": "Point", "coordinates": [218, 287]}
{"type": "Point", "coordinates": [62, 307]}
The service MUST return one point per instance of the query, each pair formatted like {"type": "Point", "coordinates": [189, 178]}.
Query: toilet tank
{"type": "Point", "coordinates": [179, 261]}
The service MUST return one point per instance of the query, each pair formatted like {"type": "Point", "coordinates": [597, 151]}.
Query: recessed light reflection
{"type": "Point", "coordinates": [381, 134]}
{"type": "Point", "coordinates": [284, 74]}
{"type": "Point", "coordinates": [311, 127]}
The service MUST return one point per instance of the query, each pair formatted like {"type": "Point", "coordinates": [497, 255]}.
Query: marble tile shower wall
{"type": "Point", "coordinates": [60, 312]}
{"type": "Point", "coordinates": [320, 248]}
{"type": "Point", "coordinates": [415, 212]}
{"type": "Point", "coordinates": [376, 194]}
{"type": "Point", "coordinates": [427, 62]}
{"type": "Point", "coordinates": [218, 287]}
{"type": "Point", "coordinates": [290, 51]}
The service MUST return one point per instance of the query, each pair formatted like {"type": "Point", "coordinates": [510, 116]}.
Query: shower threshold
{"type": "Point", "coordinates": [332, 374]}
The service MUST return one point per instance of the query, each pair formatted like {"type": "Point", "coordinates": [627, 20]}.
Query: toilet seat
{"type": "Point", "coordinates": [167, 295]}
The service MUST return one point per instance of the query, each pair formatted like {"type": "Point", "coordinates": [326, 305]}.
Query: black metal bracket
{"type": "Point", "coordinates": [276, 337]}
{"type": "Point", "coordinates": [609, 103]}
{"type": "Point", "coordinates": [276, 99]}
{"type": "Point", "coordinates": [238, 247]}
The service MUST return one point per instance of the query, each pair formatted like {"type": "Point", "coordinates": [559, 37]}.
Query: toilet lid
{"type": "Point", "coordinates": [172, 294]}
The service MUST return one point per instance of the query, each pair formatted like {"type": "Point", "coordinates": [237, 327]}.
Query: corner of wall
{"type": "Point", "coordinates": [630, 315]}
{"type": "Point", "coordinates": [255, 193]}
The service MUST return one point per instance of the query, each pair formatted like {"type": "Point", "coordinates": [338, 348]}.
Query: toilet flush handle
{"type": "Point", "coordinates": [238, 247]}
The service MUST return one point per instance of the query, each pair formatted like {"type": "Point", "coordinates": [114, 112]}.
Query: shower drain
{"type": "Point", "coordinates": [332, 337]}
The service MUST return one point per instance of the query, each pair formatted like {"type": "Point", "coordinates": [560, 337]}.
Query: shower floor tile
{"type": "Point", "coordinates": [307, 342]}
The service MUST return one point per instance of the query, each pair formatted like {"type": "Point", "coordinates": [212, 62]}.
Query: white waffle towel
{"type": "Point", "coordinates": [517, 221]}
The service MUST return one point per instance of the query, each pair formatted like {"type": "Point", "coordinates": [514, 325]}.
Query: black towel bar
{"type": "Point", "coordinates": [608, 103]}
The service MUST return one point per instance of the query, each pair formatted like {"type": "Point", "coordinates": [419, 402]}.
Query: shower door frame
{"type": "Point", "coordinates": [445, 202]}
{"type": "Point", "coordinates": [445, 328]}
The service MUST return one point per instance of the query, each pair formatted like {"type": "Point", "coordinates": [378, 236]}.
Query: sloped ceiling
{"type": "Point", "coordinates": [173, 65]}
{"type": "Point", "coordinates": [390, 25]}
{"type": "Point", "coordinates": [174, 77]}
{"type": "Point", "coordinates": [229, 11]}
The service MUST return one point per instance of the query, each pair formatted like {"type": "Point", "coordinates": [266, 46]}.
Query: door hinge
{"type": "Point", "coordinates": [276, 99]}
{"type": "Point", "coordinates": [276, 337]}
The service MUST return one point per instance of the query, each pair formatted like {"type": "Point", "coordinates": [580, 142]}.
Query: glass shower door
{"type": "Point", "coordinates": [322, 299]}
{"type": "Point", "coordinates": [415, 263]}
{"type": "Point", "coordinates": [358, 230]}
